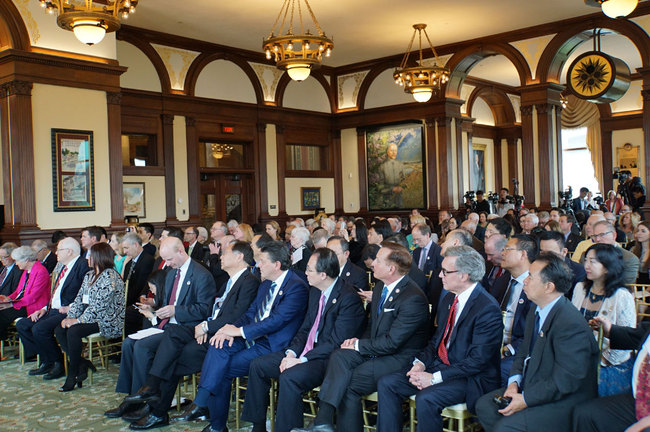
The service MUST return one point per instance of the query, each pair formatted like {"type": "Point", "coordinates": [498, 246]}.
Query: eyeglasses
{"type": "Point", "coordinates": [446, 272]}
{"type": "Point", "coordinates": [61, 249]}
{"type": "Point", "coordinates": [4, 257]}
{"type": "Point", "coordinates": [510, 249]}
{"type": "Point", "coordinates": [601, 235]}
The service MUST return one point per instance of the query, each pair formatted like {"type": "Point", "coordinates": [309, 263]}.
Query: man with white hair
{"type": "Point", "coordinates": [328, 224]}
{"type": "Point", "coordinates": [586, 244]}
{"type": "Point", "coordinates": [44, 255]}
{"type": "Point", "coordinates": [470, 227]}
{"type": "Point", "coordinates": [603, 232]}
{"type": "Point", "coordinates": [479, 231]}
{"type": "Point", "coordinates": [529, 223]}
{"type": "Point", "coordinates": [136, 273]}
{"type": "Point", "coordinates": [301, 253]}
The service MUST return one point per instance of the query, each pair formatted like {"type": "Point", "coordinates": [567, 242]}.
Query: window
{"type": "Point", "coordinates": [139, 150]}
{"type": "Point", "coordinates": [307, 160]}
{"type": "Point", "coordinates": [577, 167]}
{"type": "Point", "coordinates": [221, 155]}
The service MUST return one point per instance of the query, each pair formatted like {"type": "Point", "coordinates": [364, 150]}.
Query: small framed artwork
{"type": "Point", "coordinates": [133, 195]}
{"type": "Point", "coordinates": [73, 175]}
{"type": "Point", "coordinates": [310, 198]}
{"type": "Point", "coordinates": [477, 170]}
{"type": "Point", "coordinates": [627, 158]}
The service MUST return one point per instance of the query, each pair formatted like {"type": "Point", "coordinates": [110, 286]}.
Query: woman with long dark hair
{"type": "Point", "coordinates": [642, 250]}
{"type": "Point", "coordinates": [358, 240]}
{"type": "Point", "coordinates": [604, 293]}
{"type": "Point", "coordinates": [98, 308]}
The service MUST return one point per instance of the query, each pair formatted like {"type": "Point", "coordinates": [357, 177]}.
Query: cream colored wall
{"type": "Point", "coordinates": [141, 74]}
{"type": "Point", "coordinates": [350, 170]}
{"type": "Point", "coordinates": [306, 95]}
{"type": "Point", "coordinates": [272, 169]}
{"type": "Point", "coordinates": [292, 189]}
{"type": "Point", "coordinates": [383, 92]}
{"type": "Point", "coordinates": [216, 82]}
{"type": "Point", "coordinates": [634, 137]}
{"type": "Point", "coordinates": [180, 169]}
{"type": "Point", "coordinates": [482, 113]}
{"type": "Point", "coordinates": [154, 197]}
{"type": "Point", "coordinates": [69, 108]}
{"type": "Point", "coordinates": [631, 100]}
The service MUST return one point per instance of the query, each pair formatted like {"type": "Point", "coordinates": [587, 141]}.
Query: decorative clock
{"type": "Point", "coordinates": [598, 77]}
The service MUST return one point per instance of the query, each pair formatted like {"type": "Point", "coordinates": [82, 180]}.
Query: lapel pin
{"type": "Point", "coordinates": [390, 298]}
{"type": "Point", "coordinates": [521, 301]}
{"type": "Point", "coordinates": [333, 301]}
{"type": "Point", "coordinates": [347, 273]}
{"type": "Point", "coordinates": [188, 282]}
{"type": "Point", "coordinates": [280, 293]}
{"type": "Point", "coordinates": [541, 333]}
{"type": "Point", "coordinates": [397, 291]}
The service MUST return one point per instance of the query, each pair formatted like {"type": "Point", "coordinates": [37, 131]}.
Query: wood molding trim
{"type": "Point", "coordinates": [153, 56]}
{"type": "Point", "coordinates": [498, 101]}
{"type": "Point", "coordinates": [168, 156]}
{"type": "Point", "coordinates": [363, 171]}
{"type": "Point", "coordinates": [115, 156]}
{"type": "Point", "coordinates": [12, 28]}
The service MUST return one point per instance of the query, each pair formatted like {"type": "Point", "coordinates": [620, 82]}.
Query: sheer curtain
{"type": "Point", "coordinates": [580, 113]}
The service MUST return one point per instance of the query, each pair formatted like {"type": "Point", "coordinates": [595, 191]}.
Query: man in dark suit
{"type": "Point", "coordinates": [187, 297]}
{"type": "Point", "coordinates": [136, 274]}
{"type": "Point", "coordinates": [146, 231]}
{"type": "Point", "coordinates": [477, 244]}
{"type": "Point", "coordinates": [626, 411]}
{"type": "Point", "coordinates": [268, 325]}
{"type": "Point", "coordinates": [168, 231]}
{"type": "Point", "coordinates": [37, 331]}
{"type": "Point", "coordinates": [552, 241]}
{"type": "Point", "coordinates": [519, 253]}
{"type": "Point", "coordinates": [10, 275]}
{"type": "Point", "coordinates": [571, 239]}
{"type": "Point", "coordinates": [194, 248]}
{"type": "Point", "coordinates": [397, 332]}
{"type": "Point", "coordinates": [334, 314]}
{"type": "Point", "coordinates": [44, 255]}
{"type": "Point", "coordinates": [580, 203]}
{"type": "Point", "coordinates": [426, 256]}
{"type": "Point", "coordinates": [461, 361]}
{"type": "Point", "coordinates": [494, 246]}
{"type": "Point", "coordinates": [555, 366]}
{"type": "Point", "coordinates": [349, 273]}
{"type": "Point", "coordinates": [187, 345]}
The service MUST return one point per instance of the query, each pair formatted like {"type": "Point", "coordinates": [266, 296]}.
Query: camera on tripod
{"type": "Point", "coordinates": [470, 200]}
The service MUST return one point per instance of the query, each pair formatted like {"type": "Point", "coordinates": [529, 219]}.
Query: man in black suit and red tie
{"type": "Point", "coordinates": [461, 362]}
{"type": "Point", "coordinates": [397, 331]}
{"type": "Point", "coordinates": [334, 314]}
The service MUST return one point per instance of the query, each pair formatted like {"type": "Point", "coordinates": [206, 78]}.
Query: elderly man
{"type": "Point", "coordinates": [604, 233]}
{"type": "Point", "coordinates": [450, 370]}
{"type": "Point", "coordinates": [479, 231]}
{"type": "Point", "coordinates": [37, 331]}
{"type": "Point", "coordinates": [530, 224]}
{"type": "Point", "coordinates": [194, 248]}
{"type": "Point", "coordinates": [350, 273]}
{"type": "Point", "coordinates": [427, 255]}
{"type": "Point", "coordinates": [470, 227]}
{"type": "Point", "coordinates": [582, 247]}
{"type": "Point", "coordinates": [392, 173]}
{"type": "Point", "coordinates": [494, 246]}
{"type": "Point", "coordinates": [334, 314]}
{"type": "Point", "coordinates": [555, 367]}
{"type": "Point", "coordinates": [136, 273]}
{"type": "Point", "coordinates": [319, 237]}
{"type": "Point", "coordinates": [397, 331]}
{"type": "Point", "coordinates": [11, 274]}
{"type": "Point", "coordinates": [44, 255]}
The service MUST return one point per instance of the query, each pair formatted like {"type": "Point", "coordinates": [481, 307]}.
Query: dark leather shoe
{"type": "Point", "coordinates": [316, 428]}
{"type": "Point", "coordinates": [208, 428]}
{"type": "Point", "coordinates": [121, 410]}
{"type": "Point", "coordinates": [192, 413]}
{"type": "Point", "coordinates": [42, 369]}
{"type": "Point", "coordinates": [132, 416]}
{"type": "Point", "coordinates": [150, 421]}
{"type": "Point", "coordinates": [145, 394]}
{"type": "Point", "coordinates": [57, 371]}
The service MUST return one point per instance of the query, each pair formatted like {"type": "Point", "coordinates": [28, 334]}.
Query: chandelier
{"type": "Point", "coordinates": [90, 20]}
{"type": "Point", "coordinates": [298, 53]}
{"type": "Point", "coordinates": [614, 8]}
{"type": "Point", "coordinates": [220, 150]}
{"type": "Point", "coordinates": [421, 81]}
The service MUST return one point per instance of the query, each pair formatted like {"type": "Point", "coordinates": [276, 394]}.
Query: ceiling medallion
{"type": "Point", "coordinates": [298, 53]}
{"type": "Point", "coordinates": [421, 81]}
{"type": "Point", "coordinates": [614, 8]}
{"type": "Point", "coordinates": [90, 20]}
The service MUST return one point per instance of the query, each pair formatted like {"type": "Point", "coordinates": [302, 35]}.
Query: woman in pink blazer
{"type": "Point", "coordinates": [32, 293]}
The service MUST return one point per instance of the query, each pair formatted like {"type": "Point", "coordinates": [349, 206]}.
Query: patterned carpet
{"type": "Point", "coordinates": [30, 404]}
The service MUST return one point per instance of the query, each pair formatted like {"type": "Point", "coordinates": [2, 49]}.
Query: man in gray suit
{"type": "Point", "coordinates": [605, 233]}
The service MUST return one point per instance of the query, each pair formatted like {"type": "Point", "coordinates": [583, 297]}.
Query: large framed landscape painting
{"type": "Point", "coordinates": [73, 175]}
{"type": "Point", "coordinates": [395, 156]}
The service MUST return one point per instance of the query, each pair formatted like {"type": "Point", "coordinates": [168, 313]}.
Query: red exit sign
{"type": "Point", "coordinates": [228, 129]}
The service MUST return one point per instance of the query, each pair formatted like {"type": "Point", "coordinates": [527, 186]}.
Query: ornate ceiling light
{"type": "Point", "coordinates": [614, 8]}
{"type": "Point", "coordinates": [421, 81]}
{"type": "Point", "coordinates": [296, 53]}
{"type": "Point", "coordinates": [90, 20]}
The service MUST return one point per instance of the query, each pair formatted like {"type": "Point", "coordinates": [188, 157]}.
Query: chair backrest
{"type": "Point", "coordinates": [642, 301]}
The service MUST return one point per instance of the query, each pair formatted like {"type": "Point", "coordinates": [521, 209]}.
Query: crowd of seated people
{"type": "Point", "coordinates": [462, 310]}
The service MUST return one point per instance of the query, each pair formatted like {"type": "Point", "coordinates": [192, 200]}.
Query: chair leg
{"type": "Point", "coordinates": [411, 415]}
{"type": "Point", "coordinates": [21, 353]}
{"type": "Point", "coordinates": [272, 401]}
{"type": "Point", "coordinates": [237, 392]}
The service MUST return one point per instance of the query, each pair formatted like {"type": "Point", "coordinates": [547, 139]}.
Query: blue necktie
{"type": "Point", "coordinates": [382, 300]}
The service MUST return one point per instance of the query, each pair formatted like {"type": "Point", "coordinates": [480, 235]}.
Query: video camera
{"type": "Point", "coordinates": [470, 200]}
{"type": "Point", "coordinates": [565, 200]}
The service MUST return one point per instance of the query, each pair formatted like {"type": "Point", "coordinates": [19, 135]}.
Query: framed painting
{"type": "Point", "coordinates": [134, 199]}
{"type": "Point", "coordinates": [73, 175]}
{"type": "Point", "coordinates": [310, 198]}
{"type": "Point", "coordinates": [477, 167]}
{"type": "Point", "coordinates": [627, 158]}
{"type": "Point", "coordinates": [395, 156]}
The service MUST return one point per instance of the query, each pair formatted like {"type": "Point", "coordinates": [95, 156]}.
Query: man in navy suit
{"type": "Point", "coordinates": [552, 241]}
{"type": "Point", "coordinates": [350, 273]}
{"type": "Point", "coordinates": [461, 361]}
{"type": "Point", "coordinates": [270, 323]}
{"type": "Point", "coordinates": [397, 332]}
{"type": "Point", "coordinates": [520, 251]}
{"type": "Point", "coordinates": [580, 203]}
{"type": "Point", "coordinates": [136, 275]}
{"type": "Point", "coordinates": [37, 331]}
{"type": "Point", "coordinates": [44, 254]}
{"type": "Point", "coordinates": [426, 256]}
{"type": "Point", "coordinates": [334, 314]}
{"type": "Point", "coordinates": [11, 273]}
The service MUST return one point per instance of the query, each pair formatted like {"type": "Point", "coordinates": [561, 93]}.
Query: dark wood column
{"type": "Point", "coordinates": [115, 164]}
{"type": "Point", "coordinates": [558, 139]}
{"type": "Point", "coordinates": [446, 163]}
{"type": "Point", "coordinates": [18, 160]}
{"type": "Point", "coordinates": [170, 183]}
{"type": "Point", "coordinates": [548, 188]}
{"type": "Point", "coordinates": [498, 165]}
{"type": "Point", "coordinates": [338, 173]}
{"type": "Point", "coordinates": [458, 130]}
{"type": "Point", "coordinates": [260, 170]}
{"type": "Point", "coordinates": [432, 164]}
{"type": "Point", "coordinates": [513, 163]}
{"type": "Point", "coordinates": [645, 93]}
{"type": "Point", "coordinates": [363, 171]}
{"type": "Point", "coordinates": [606, 153]}
{"type": "Point", "coordinates": [193, 175]}
{"type": "Point", "coordinates": [527, 155]}
{"type": "Point", "coordinates": [282, 161]}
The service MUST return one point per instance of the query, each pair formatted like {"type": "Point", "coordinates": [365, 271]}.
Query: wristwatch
{"type": "Point", "coordinates": [204, 326]}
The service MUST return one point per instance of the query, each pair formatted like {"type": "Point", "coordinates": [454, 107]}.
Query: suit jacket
{"type": "Point", "coordinates": [135, 280]}
{"type": "Point", "coordinates": [575, 205]}
{"type": "Point", "coordinates": [11, 281]}
{"type": "Point", "coordinates": [150, 249]}
{"type": "Point", "coordinates": [354, 275]}
{"type": "Point", "coordinates": [562, 368]}
{"type": "Point", "coordinates": [287, 312]}
{"type": "Point", "coordinates": [579, 275]}
{"type": "Point", "coordinates": [73, 281]}
{"type": "Point", "coordinates": [196, 297]}
{"type": "Point", "coordinates": [621, 337]}
{"type": "Point", "coordinates": [214, 265]}
{"type": "Point", "coordinates": [416, 275]}
{"type": "Point", "coordinates": [239, 299]}
{"type": "Point", "coordinates": [480, 232]}
{"type": "Point", "coordinates": [488, 285]}
{"type": "Point", "coordinates": [198, 254]}
{"type": "Point", "coordinates": [301, 265]}
{"type": "Point", "coordinates": [572, 241]}
{"type": "Point", "coordinates": [474, 345]}
{"type": "Point", "coordinates": [341, 319]}
{"type": "Point", "coordinates": [433, 259]}
{"type": "Point", "coordinates": [37, 291]}
{"type": "Point", "coordinates": [50, 262]}
{"type": "Point", "coordinates": [631, 266]}
{"type": "Point", "coordinates": [400, 328]}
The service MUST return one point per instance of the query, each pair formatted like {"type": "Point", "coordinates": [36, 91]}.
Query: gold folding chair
{"type": "Point", "coordinates": [456, 418]}
{"type": "Point", "coordinates": [642, 301]}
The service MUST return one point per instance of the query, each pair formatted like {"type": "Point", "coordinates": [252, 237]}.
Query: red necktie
{"type": "Point", "coordinates": [56, 284]}
{"type": "Point", "coordinates": [442, 348]}
{"type": "Point", "coordinates": [172, 297]}
{"type": "Point", "coordinates": [642, 397]}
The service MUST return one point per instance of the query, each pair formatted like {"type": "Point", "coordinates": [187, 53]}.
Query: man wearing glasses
{"type": "Point", "coordinates": [605, 233]}
{"type": "Point", "coordinates": [10, 272]}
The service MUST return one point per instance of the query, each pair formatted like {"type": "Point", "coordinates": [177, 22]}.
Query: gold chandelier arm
{"type": "Point", "coordinates": [408, 52]}
{"type": "Point", "coordinates": [302, 29]}
{"type": "Point", "coordinates": [285, 9]}
{"type": "Point", "coordinates": [313, 18]}
{"type": "Point", "coordinates": [435, 54]}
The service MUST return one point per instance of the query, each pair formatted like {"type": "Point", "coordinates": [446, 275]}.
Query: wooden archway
{"type": "Point", "coordinates": [498, 101]}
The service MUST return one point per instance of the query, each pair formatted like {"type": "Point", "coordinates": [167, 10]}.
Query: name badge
{"type": "Point", "coordinates": [85, 299]}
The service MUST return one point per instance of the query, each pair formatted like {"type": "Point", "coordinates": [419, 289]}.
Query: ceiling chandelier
{"type": "Point", "coordinates": [220, 150]}
{"type": "Point", "coordinates": [296, 53]}
{"type": "Point", "coordinates": [421, 81]}
{"type": "Point", "coordinates": [614, 8]}
{"type": "Point", "coordinates": [90, 20]}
